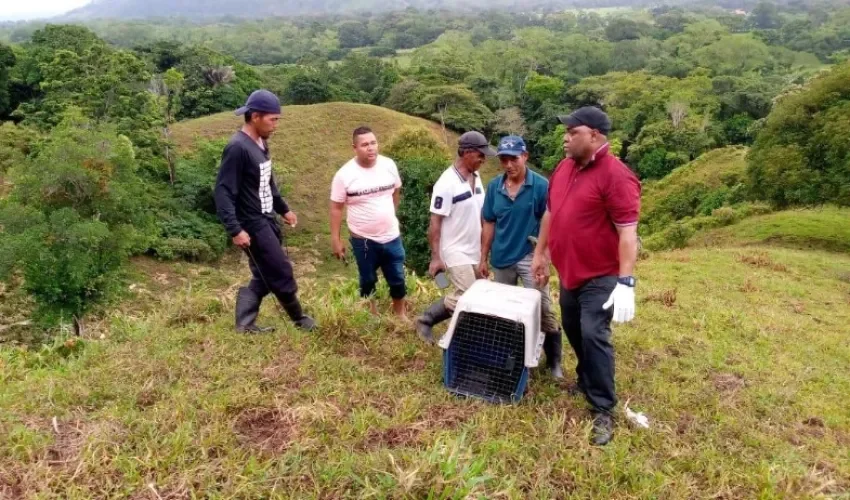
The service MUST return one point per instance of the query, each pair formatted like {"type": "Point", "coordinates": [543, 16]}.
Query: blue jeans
{"type": "Point", "coordinates": [389, 257]}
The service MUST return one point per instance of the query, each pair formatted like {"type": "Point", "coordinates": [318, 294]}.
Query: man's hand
{"type": "Point", "coordinates": [623, 301]}
{"type": "Point", "coordinates": [338, 248]}
{"type": "Point", "coordinates": [242, 240]}
{"type": "Point", "coordinates": [290, 218]}
{"type": "Point", "coordinates": [436, 266]}
{"type": "Point", "coordinates": [540, 269]}
{"type": "Point", "coordinates": [483, 269]}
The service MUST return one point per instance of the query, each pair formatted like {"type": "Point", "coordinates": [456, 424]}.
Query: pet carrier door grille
{"type": "Point", "coordinates": [486, 358]}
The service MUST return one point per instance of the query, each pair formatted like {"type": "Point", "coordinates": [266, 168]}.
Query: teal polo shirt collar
{"type": "Point", "coordinates": [528, 182]}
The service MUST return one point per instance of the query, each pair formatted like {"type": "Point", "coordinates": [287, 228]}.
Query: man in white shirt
{"type": "Point", "coordinates": [454, 232]}
{"type": "Point", "coordinates": [368, 186]}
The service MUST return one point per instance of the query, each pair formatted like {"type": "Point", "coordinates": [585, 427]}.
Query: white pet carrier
{"type": "Point", "coordinates": [493, 339]}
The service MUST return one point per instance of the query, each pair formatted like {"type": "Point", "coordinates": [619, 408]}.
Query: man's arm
{"type": "Point", "coordinates": [336, 209]}
{"type": "Point", "coordinates": [435, 226]}
{"type": "Point", "coordinates": [227, 189]}
{"type": "Point", "coordinates": [540, 262]}
{"type": "Point", "coordinates": [628, 249]}
{"type": "Point", "coordinates": [397, 198]}
{"type": "Point", "coordinates": [488, 231]}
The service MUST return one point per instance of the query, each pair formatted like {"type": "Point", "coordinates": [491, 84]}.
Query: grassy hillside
{"type": "Point", "coordinates": [738, 356]}
{"type": "Point", "coordinates": [745, 387]}
{"type": "Point", "coordinates": [826, 228]}
{"type": "Point", "coordinates": [688, 186]}
{"type": "Point", "coordinates": [311, 143]}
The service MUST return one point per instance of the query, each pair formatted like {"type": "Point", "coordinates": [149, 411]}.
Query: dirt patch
{"type": "Point", "coordinates": [762, 260]}
{"type": "Point", "coordinates": [68, 441]}
{"type": "Point", "coordinates": [394, 437]}
{"type": "Point", "coordinates": [284, 376]}
{"type": "Point", "coordinates": [147, 398]}
{"type": "Point", "coordinates": [798, 307]}
{"type": "Point", "coordinates": [448, 416]}
{"type": "Point", "coordinates": [814, 422]}
{"type": "Point", "coordinates": [433, 418]}
{"type": "Point", "coordinates": [269, 430]}
{"type": "Point", "coordinates": [665, 297]}
{"type": "Point", "coordinates": [749, 287]}
{"type": "Point", "coordinates": [646, 360]}
{"type": "Point", "coordinates": [728, 383]}
{"type": "Point", "coordinates": [682, 347]}
{"type": "Point", "coordinates": [153, 492]}
{"type": "Point", "coordinates": [11, 485]}
{"type": "Point", "coordinates": [685, 424]}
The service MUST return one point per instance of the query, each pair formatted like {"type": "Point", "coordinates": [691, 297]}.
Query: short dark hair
{"type": "Point", "coordinates": [360, 131]}
{"type": "Point", "coordinates": [250, 114]}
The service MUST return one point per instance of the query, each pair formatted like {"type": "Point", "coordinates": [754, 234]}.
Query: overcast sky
{"type": "Point", "coordinates": [33, 9]}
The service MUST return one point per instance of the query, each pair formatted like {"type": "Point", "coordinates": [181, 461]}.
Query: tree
{"type": "Point", "coordinates": [735, 55]}
{"type": "Point", "coordinates": [456, 107]}
{"type": "Point", "coordinates": [307, 88]}
{"type": "Point", "coordinates": [509, 121]}
{"type": "Point", "coordinates": [353, 34]}
{"type": "Point", "coordinates": [801, 154]}
{"type": "Point", "coordinates": [7, 61]}
{"type": "Point", "coordinates": [76, 211]}
{"type": "Point", "coordinates": [662, 146]}
{"type": "Point", "coordinates": [370, 78]}
{"type": "Point", "coordinates": [168, 86]}
{"type": "Point", "coordinates": [765, 15]}
{"type": "Point", "coordinates": [622, 28]}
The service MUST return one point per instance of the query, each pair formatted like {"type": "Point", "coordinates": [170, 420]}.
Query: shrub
{"type": "Point", "coordinates": [416, 142]}
{"type": "Point", "coordinates": [675, 236]}
{"type": "Point", "coordinates": [725, 215]}
{"type": "Point", "coordinates": [419, 176]}
{"type": "Point", "coordinates": [381, 51]}
{"type": "Point", "coordinates": [68, 262]}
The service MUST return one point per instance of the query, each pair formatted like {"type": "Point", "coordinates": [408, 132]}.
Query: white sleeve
{"type": "Point", "coordinates": [441, 199]}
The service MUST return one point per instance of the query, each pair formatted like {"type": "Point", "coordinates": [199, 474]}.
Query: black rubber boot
{"type": "Point", "coordinates": [247, 309]}
{"type": "Point", "coordinates": [603, 429]}
{"type": "Point", "coordinates": [435, 314]}
{"type": "Point", "coordinates": [553, 346]}
{"type": "Point", "coordinates": [296, 314]}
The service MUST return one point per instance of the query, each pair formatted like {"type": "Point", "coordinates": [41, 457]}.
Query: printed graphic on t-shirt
{"type": "Point", "coordinates": [373, 190]}
{"type": "Point", "coordinates": [265, 191]}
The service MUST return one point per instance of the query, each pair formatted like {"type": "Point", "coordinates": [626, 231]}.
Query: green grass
{"type": "Point", "coordinates": [739, 356]}
{"type": "Point", "coordinates": [826, 228]}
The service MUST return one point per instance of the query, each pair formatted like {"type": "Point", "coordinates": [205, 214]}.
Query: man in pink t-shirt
{"type": "Point", "coordinates": [369, 187]}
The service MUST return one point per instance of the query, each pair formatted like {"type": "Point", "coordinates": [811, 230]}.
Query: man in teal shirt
{"type": "Point", "coordinates": [513, 206]}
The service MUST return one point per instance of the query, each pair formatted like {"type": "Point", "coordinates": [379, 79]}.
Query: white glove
{"type": "Point", "coordinates": [623, 300]}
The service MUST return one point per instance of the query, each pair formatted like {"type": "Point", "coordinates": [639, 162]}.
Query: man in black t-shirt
{"type": "Point", "coordinates": [246, 199]}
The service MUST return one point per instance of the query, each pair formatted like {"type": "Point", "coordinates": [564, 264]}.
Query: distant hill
{"type": "Point", "coordinates": [311, 143]}
{"type": "Point", "coordinates": [197, 9]}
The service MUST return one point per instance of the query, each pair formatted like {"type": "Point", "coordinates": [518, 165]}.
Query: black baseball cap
{"type": "Point", "coordinates": [261, 100]}
{"type": "Point", "coordinates": [588, 116]}
{"type": "Point", "coordinates": [477, 141]}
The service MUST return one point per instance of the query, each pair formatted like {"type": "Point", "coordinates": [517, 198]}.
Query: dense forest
{"type": "Point", "coordinates": [88, 173]}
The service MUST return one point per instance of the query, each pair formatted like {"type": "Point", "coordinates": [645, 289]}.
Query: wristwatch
{"type": "Point", "coordinates": [629, 281]}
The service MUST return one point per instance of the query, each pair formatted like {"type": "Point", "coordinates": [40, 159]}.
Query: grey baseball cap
{"type": "Point", "coordinates": [261, 100]}
{"type": "Point", "coordinates": [477, 141]}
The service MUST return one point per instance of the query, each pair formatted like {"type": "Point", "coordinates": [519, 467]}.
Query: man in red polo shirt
{"type": "Point", "coordinates": [590, 231]}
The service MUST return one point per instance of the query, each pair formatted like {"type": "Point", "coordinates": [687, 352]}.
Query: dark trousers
{"type": "Point", "coordinates": [588, 328]}
{"type": "Point", "coordinates": [389, 257]}
{"type": "Point", "coordinates": [270, 266]}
